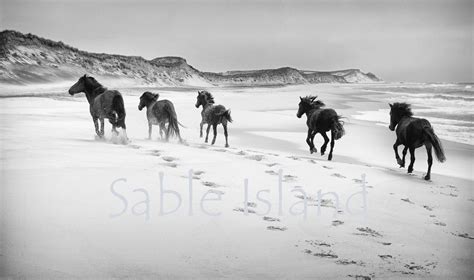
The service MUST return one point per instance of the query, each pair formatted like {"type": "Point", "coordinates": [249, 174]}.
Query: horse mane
{"type": "Point", "coordinates": [95, 85]}
{"type": "Point", "coordinates": [311, 100]}
{"type": "Point", "coordinates": [209, 97]}
{"type": "Point", "coordinates": [404, 109]}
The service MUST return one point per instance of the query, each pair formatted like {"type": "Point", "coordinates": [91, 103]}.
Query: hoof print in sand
{"type": "Point", "coordinates": [270, 219]}
{"type": "Point", "coordinates": [289, 178]}
{"type": "Point", "coordinates": [385, 257]}
{"type": "Point", "coordinates": [368, 232]}
{"type": "Point", "coordinates": [272, 164]}
{"type": "Point", "coordinates": [271, 172]}
{"type": "Point", "coordinates": [169, 164]}
{"type": "Point", "coordinates": [329, 255]}
{"type": "Point", "coordinates": [327, 167]}
{"type": "Point", "coordinates": [338, 175]}
{"type": "Point", "coordinates": [463, 235]}
{"type": "Point", "coordinates": [276, 228]}
{"type": "Point", "coordinates": [407, 200]}
{"type": "Point", "coordinates": [240, 209]}
{"type": "Point", "coordinates": [360, 277]}
{"type": "Point", "coordinates": [169, 159]}
{"type": "Point", "coordinates": [427, 208]}
{"type": "Point", "coordinates": [337, 223]}
{"type": "Point", "coordinates": [317, 243]}
{"type": "Point", "coordinates": [255, 157]}
{"type": "Point", "coordinates": [156, 153]}
{"type": "Point", "coordinates": [252, 204]}
{"type": "Point", "coordinates": [349, 262]}
{"type": "Point", "coordinates": [438, 223]}
{"type": "Point", "coordinates": [210, 184]}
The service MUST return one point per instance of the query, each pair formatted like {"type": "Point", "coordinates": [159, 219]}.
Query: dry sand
{"type": "Point", "coordinates": [58, 210]}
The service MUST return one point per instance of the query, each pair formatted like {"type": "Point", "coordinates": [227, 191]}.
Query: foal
{"type": "Point", "coordinates": [320, 120]}
{"type": "Point", "coordinates": [212, 115]}
{"type": "Point", "coordinates": [160, 113]}
{"type": "Point", "coordinates": [413, 133]}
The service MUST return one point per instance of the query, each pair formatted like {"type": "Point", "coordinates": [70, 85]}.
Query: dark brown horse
{"type": "Point", "coordinates": [320, 120]}
{"type": "Point", "coordinates": [413, 133]}
{"type": "Point", "coordinates": [103, 103]}
{"type": "Point", "coordinates": [212, 115]}
{"type": "Point", "coordinates": [160, 113]}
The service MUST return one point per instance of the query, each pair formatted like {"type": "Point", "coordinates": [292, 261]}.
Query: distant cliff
{"type": "Point", "coordinates": [29, 59]}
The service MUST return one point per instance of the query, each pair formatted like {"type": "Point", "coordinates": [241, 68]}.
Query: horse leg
{"type": "Point", "coordinates": [96, 125]}
{"type": "Point", "coordinates": [200, 132]}
{"type": "Point", "coordinates": [430, 160]}
{"type": "Point", "coordinates": [214, 128]}
{"type": "Point", "coordinates": [150, 129]}
{"type": "Point", "coordinates": [225, 134]}
{"type": "Point", "coordinates": [403, 156]}
{"type": "Point", "coordinates": [312, 141]}
{"type": "Point", "coordinates": [326, 141]}
{"type": "Point", "coordinates": [412, 159]}
{"type": "Point", "coordinates": [162, 128]}
{"type": "Point", "coordinates": [397, 156]}
{"type": "Point", "coordinates": [312, 149]}
{"type": "Point", "coordinates": [332, 145]}
{"type": "Point", "coordinates": [207, 132]}
{"type": "Point", "coordinates": [101, 127]}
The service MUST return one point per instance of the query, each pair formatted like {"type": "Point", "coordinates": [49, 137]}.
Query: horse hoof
{"type": "Point", "coordinates": [227, 145]}
{"type": "Point", "coordinates": [410, 171]}
{"type": "Point", "coordinates": [330, 158]}
{"type": "Point", "coordinates": [322, 153]}
{"type": "Point", "coordinates": [427, 178]}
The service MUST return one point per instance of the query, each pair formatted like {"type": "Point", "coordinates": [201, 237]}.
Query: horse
{"type": "Point", "coordinates": [212, 115]}
{"type": "Point", "coordinates": [103, 103]}
{"type": "Point", "coordinates": [160, 113]}
{"type": "Point", "coordinates": [413, 133]}
{"type": "Point", "coordinates": [320, 120]}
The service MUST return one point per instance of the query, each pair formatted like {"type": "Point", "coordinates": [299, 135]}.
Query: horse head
{"type": "Point", "coordinates": [397, 112]}
{"type": "Point", "coordinates": [79, 86]}
{"type": "Point", "coordinates": [306, 103]}
{"type": "Point", "coordinates": [147, 98]}
{"type": "Point", "coordinates": [203, 98]}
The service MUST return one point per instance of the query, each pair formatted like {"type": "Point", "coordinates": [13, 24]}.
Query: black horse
{"type": "Point", "coordinates": [103, 103]}
{"type": "Point", "coordinates": [320, 120]}
{"type": "Point", "coordinates": [160, 113]}
{"type": "Point", "coordinates": [212, 115]}
{"type": "Point", "coordinates": [413, 133]}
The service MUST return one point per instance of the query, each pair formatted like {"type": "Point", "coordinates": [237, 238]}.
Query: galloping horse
{"type": "Point", "coordinates": [320, 120]}
{"type": "Point", "coordinates": [160, 113]}
{"type": "Point", "coordinates": [103, 103]}
{"type": "Point", "coordinates": [212, 115]}
{"type": "Point", "coordinates": [413, 133]}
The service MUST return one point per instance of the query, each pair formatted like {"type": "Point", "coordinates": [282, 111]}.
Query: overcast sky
{"type": "Point", "coordinates": [427, 41]}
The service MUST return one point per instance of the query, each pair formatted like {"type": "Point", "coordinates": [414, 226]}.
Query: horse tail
{"type": "Point", "coordinates": [337, 127]}
{"type": "Point", "coordinates": [173, 124]}
{"type": "Point", "coordinates": [180, 124]}
{"type": "Point", "coordinates": [226, 115]}
{"type": "Point", "coordinates": [119, 108]}
{"type": "Point", "coordinates": [438, 147]}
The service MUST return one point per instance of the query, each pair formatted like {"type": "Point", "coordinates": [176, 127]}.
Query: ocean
{"type": "Point", "coordinates": [449, 107]}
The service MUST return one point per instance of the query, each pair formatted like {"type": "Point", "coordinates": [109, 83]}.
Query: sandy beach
{"type": "Point", "coordinates": [74, 205]}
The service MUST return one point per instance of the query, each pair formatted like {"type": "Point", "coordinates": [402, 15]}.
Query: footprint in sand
{"type": "Point", "coordinates": [407, 200]}
{"type": "Point", "coordinates": [241, 153]}
{"type": "Point", "coordinates": [271, 172]}
{"type": "Point", "coordinates": [252, 204]}
{"type": "Point", "coordinates": [276, 228]}
{"type": "Point", "coordinates": [385, 257]}
{"type": "Point", "coordinates": [338, 175]}
{"type": "Point", "coordinates": [317, 243]}
{"type": "Point", "coordinates": [427, 208]}
{"type": "Point", "coordinates": [463, 235]}
{"type": "Point", "coordinates": [438, 223]}
{"type": "Point", "coordinates": [210, 184]}
{"type": "Point", "coordinates": [359, 277]}
{"type": "Point", "coordinates": [155, 153]}
{"type": "Point", "coordinates": [313, 161]}
{"type": "Point", "coordinates": [368, 232]}
{"type": "Point", "coordinates": [272, 164]}
{"type": "Point", "coordinates": [249, 210]}
{"type": "Point", "coordinates": [270, 219]}
{"type": "Point", "coordinates": [327, 167]}
{"type": "Point", "coordinates": [294, 158]}
{"type": "Point", "coordinates": [386, 243]}
{"type": "Point", "coordinates": [198, 172]}
{"type": "Point", "coordinates": [289, 178]}
{"type": "Point", "coordinates": [169, 159]}
{"type": "Point", "coordinates": [325, 254]}
{"type": "Point", "coordinates": [255, 157]}
{"type": "Point", "coordinates": [169, 164]}
{"type": "Point", "coordinates": [337, 223]}
{"type": "Point", "coordinates": [350, 262]}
